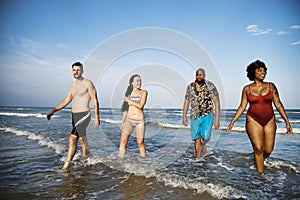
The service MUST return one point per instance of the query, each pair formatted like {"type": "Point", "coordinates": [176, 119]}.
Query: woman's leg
{"type": "Point", "coordinates": [270, 132]}
{"type": "Point", "coordinates": [140, 135]}
{"type": "Point", "coordinates": [127, 129]}
{"type": "Point", "coordinates": [256, 135]}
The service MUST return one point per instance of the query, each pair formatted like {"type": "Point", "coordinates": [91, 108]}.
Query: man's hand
{"type": "Point", "coordinates": [185, 121]}
{"type": "Point", "coordinates": [49, 115]}
{"type": "Point", "coordinates": [96, 123]}
{"type": "Point", "coordinates": [217, 125]}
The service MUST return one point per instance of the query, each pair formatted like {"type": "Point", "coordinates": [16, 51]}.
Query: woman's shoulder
{"type": "Point", "coordinates": [144, 91]}
{"type": "Point", "coordinates": [246, 88]}
{"type": "Point", "coordinates": [270, 83]}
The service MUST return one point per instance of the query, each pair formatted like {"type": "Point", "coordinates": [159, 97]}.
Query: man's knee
{"type": "Point", "coordinates": [73, 140]}
{"type": "Point", "coordinates": [258, 151]}
{"type": "Point", "coordinates": [80, 140]}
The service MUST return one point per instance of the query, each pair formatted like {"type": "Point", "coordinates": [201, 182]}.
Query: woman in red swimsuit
{"type": "Point", "coordinates": [260, 118]}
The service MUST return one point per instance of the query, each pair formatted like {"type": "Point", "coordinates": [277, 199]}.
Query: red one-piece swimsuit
{"type": "Point", "coordinates": [261, 109]}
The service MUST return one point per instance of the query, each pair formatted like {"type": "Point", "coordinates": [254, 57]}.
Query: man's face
{"type": "Point", "coordinates": [200, 75]}
{"type": "Point", "coordinates": [77, 72]}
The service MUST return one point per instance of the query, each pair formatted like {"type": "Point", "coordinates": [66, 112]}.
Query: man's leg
{"type": "Point", "coordinates": [85, 146]}
{"type": "Point", "coordinates": [198, 146]}
{"type": "Point", "coordinates": [71, 152]}
{"type": "Point", "coordinates": [205, 129]}
{"type": "Point", "coordinates": [196, 137]}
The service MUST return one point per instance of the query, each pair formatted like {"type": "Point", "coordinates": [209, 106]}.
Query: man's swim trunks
{"type": "Point", "coordinates": [80, 122]}
{"type": "Point", "coordinates": [201, 127]}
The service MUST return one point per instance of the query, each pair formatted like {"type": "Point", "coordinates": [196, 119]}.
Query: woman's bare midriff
{"type": "Point", "coordinates": [135, 113]}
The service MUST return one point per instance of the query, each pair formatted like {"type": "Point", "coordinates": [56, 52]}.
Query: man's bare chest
{"type": "Point", "coordinates": [80, 90]}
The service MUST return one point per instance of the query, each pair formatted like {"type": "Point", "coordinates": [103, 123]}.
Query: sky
{"type": "Point", "coordinates": [163, 41]}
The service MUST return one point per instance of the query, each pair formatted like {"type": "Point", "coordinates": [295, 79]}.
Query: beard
{"type": "Point", "coordinates": [200, 82]}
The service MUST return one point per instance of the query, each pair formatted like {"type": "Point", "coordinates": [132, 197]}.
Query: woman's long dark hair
{"type": "Point", "coordinates": [125, 105]}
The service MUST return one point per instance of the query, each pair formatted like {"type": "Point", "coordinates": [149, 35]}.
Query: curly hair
{"type": "Point", "coordinates": [252, 67]}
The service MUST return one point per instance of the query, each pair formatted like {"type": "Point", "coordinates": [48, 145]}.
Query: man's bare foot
{"type": "Point", "coordinates": [65, 168]}
{"type": "Point", "coordinates": [62, 170]}
{"type": "Point", "coordinates": [204, 149]}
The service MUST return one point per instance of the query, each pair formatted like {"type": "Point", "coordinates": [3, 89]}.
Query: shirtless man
{"type": "Point", "coordinates": [82, 92]}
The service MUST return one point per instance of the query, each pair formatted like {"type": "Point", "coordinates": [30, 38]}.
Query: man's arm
{"type": "Point", "coordinates": [60, 106]}
{"type": "Point", "coordinates": [184, 112]}
{"type": "Point", "coordinates": [217, 111]}
{"type": "Point", "coordinates": [93, 95]}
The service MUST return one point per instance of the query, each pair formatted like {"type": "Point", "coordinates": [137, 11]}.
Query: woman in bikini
{"type": "Point", "coordinates": [260, 118]}
{"type": "Point", "coordinates": [133, 115]}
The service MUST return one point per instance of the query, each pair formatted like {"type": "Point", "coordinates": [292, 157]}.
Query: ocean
{"type": "Point", "coordinates": [33, 148]}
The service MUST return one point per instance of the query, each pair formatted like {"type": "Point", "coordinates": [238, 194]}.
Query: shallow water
{"type": "Point", "coordinates": [32, 149]}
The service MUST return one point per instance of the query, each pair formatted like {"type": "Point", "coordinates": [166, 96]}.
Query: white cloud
{"type": "Point", "coordinates": [295, 27]}
{"type": "Point", "coordinates": [296, 43]}
{"type": "Point", "coordinates": [282, 33]}
{"type": "Point", "coordinates": [38, 68]}
{"type": "Point", "coordinates": [255, 30]}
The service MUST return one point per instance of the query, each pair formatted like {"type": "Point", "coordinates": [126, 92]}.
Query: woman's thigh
{"type": "Point", "coordinates": [140, 130]}
{"type": "Point", "coordinates": [255, 133]}
{"type": "Point", "coordinates": [270, 132]}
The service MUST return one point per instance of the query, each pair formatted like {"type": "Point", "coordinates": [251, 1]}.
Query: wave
{"type": "Point", "coordinates": [162, 124]}
{"type": "Point", "coordinates": [281, 164]}
{"type": "Point", "coordinates": [111, 121]}
{"type": "Point", "coordinates": [242, 129]}
{"type": "Point", "coordinates": [37, 115]}
{"type": "Point", "coordinates": [42, 140]}
{"type": "Point", "coordinates": [142, 168]}
{"type": "Point", "coordinates": [235, 129]}
{"type": "Point", "coordinates": [291, 121]}
{"type": "Point", "coordinates": [171, 125]}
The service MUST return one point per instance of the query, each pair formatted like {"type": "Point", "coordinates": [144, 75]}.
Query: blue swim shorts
{"type": "Point", "coordinates": [201, 127]}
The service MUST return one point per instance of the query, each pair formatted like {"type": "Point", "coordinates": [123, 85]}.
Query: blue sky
{"type": "Point", "coordinates": [41, 39]}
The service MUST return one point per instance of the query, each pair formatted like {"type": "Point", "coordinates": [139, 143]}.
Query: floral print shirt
{"type": "Point", "coordinates": [201, 101]}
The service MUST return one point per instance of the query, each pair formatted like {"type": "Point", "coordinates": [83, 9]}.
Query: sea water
{"type": "Point", "coordinates": [33, 148]}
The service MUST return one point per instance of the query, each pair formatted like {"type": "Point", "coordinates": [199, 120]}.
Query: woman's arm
{"type": "Point", "coordinates": [280, 108]}
{"type": "Point", "coordinates": [142, 102]}
{"type": "Point", "coordinates": [240, 109]}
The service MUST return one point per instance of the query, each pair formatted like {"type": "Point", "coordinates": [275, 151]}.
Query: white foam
{"type": "Point", "coordinates": [144, 168]}
{"type": "Point", "coordinates": [243, 129]}
{"type": "Point", "coordinates": [223, 164]}
{"type": "Point", "coordinates": [278, 164]}
{"type": "Point", "coordinates": [111, 121]}
{"type": "Point", "coordinates": [217, 191]}
{"type": "Point", "coordinates": [38, 115]}
{"type": "Point", "coordinates": [291, 121]}
{"type": "Point", "coordinates": [175, 126]}
{"type": "Point", "coordinates": [283, 130]}
{"type": "Point", "coordinates": [42, 140]}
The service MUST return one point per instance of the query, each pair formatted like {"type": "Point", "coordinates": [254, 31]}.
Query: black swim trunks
{"type": "Point", "coordinates": [80, 122]}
